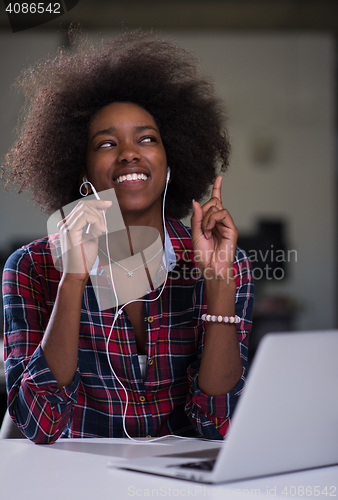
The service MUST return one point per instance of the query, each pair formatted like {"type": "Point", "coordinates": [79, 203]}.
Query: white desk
{"type": "Point", "coordinates": [77, 469]}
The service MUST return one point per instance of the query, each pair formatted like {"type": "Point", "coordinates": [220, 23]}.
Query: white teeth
{"type": "Point", "coordinates": [132, 177]}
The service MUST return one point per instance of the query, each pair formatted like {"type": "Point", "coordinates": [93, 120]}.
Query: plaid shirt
{"type": "Point", "coordinates": [168, 401]}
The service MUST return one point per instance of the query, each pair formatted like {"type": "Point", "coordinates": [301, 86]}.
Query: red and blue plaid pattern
{"type": "Point", "coordinates": [168, 401]}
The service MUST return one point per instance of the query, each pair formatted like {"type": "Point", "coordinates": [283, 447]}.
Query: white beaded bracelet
{"type": "Point", "coordinates": [221, 319]}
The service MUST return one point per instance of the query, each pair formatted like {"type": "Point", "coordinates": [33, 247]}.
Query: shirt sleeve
{"type": "Point", "coordinates": [37, 406]}
{"type": "Point", "coordinates": [211, 414]}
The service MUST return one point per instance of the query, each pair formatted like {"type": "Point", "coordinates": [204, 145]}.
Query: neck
{"type": "Point", "coordinates": [145, 220]}
{"type": "Point", "coordinates": [139, 234]}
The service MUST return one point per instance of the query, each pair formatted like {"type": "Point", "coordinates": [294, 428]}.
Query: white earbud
{"type": "Point", "coordinates": [85, 183]}
{"type": "Point", "coordinates": [168, 174]}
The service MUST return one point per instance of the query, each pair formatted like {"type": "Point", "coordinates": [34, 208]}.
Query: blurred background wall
{"type": "Point", "coordinates": [274, 64]}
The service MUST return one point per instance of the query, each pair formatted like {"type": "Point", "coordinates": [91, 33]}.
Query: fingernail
{"type": "Point", "coordinates": [205, 234]}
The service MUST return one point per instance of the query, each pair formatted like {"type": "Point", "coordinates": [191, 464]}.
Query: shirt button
{"type": "Point", "coordinates": [150, 361]}
{"type": "Point", "coordinates": [150, 319]}
{"type": "Point", "coordinates": [142, 399]}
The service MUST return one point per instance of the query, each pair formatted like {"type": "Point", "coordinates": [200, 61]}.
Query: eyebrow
{"type": "Point", "coordinates": [111, 130]}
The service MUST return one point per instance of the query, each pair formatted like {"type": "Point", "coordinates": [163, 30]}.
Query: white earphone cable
{"type": "Point", "coordinates": [119, 311]}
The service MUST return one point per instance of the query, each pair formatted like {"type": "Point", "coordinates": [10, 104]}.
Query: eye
{"type": "Point", "coordinates": [106, 144]}
{"type": "Point", "coordinates": [148, 138]}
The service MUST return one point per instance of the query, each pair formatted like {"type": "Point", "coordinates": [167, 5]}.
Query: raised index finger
{"type": "Point", "coordinates": [217, 189]}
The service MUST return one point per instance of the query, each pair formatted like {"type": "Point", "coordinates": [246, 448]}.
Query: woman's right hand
{"type": "Point", "coordinates": [79, 247]}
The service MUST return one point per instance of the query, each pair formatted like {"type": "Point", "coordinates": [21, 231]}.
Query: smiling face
{"type": "Point", "coordinates": [125, 152]}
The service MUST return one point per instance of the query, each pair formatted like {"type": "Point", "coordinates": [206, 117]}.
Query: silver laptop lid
{"type": "Point", "coordinates": [287, 417]}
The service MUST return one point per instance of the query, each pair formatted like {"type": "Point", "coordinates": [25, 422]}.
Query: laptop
{"type": "Point", "coordinates": [286, 419]}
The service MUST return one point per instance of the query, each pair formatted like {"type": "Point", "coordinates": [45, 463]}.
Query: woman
{"type": "Point", "coordinates": [95, 118]}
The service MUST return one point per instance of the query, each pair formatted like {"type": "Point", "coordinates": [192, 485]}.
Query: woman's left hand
{"type": "Point", "coordinates": [214, 237]}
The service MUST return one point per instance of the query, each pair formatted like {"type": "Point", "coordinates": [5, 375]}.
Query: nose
{"type": "Point", "coordinates": [128, 153]}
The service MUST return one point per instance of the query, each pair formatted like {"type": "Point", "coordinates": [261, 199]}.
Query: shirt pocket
{"type": "Point", "coordinates": [182, 350]}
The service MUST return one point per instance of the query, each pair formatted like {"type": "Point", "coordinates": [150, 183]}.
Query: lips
{"type": "Point", "coordinates": [132, 177]}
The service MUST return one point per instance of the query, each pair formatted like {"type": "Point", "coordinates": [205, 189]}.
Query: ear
{"type": "Point", "coordinates": [82, 177]}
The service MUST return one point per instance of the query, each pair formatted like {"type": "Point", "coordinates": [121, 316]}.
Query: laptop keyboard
{"type": "Point", "coordinates": [204, 465]}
